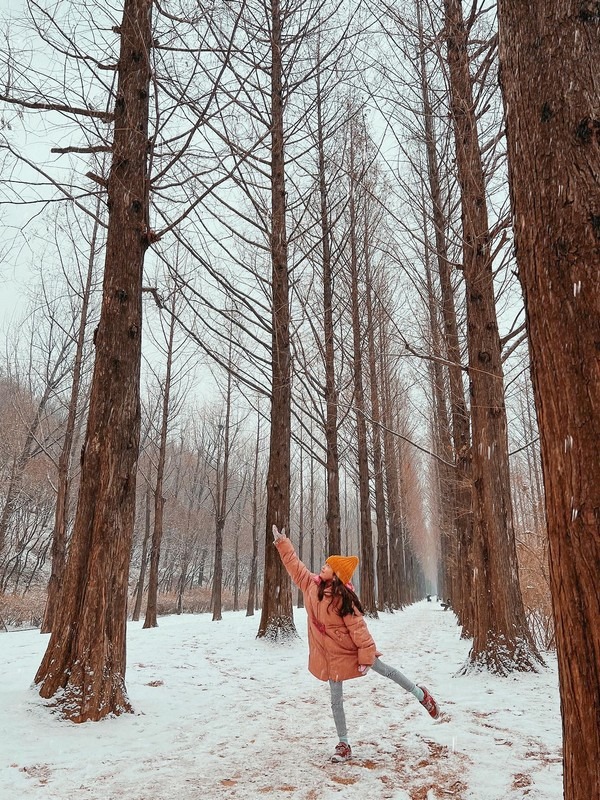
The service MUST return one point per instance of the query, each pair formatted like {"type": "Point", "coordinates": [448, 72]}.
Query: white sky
{"type": "Point", "coordinates": [223, 716]}
{"type": "Point", "coordinates": [16, 274]}
{"type": "Point", "coordinates": [11, 302]}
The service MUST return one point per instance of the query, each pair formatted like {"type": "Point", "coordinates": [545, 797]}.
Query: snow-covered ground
{"type": "Point", "coordinates": [221, 714]}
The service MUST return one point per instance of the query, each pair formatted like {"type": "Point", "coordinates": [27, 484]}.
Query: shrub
{"type": "Point", "coordinates": [535, 587]}
{"type": "Point", "coordinates": [195, 601]}
{"type": "Point", "coordinates": [23, 611]}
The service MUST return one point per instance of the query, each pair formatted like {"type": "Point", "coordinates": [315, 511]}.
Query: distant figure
{"type": "Point", "coordinates": [446, 604]}
{"type": "Point", "coordinates": [429, 598]}
{"type": "Point", "coordinates": [340, 645]}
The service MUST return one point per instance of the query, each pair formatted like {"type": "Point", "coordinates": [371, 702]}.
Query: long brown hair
{"type": "Point", "coordinates": [348, 599]}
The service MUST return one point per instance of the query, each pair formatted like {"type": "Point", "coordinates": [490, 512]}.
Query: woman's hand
{"type": "Point", "coordinates": [278, 535]}
{"type": "Point", "coordinates": [363, 668]}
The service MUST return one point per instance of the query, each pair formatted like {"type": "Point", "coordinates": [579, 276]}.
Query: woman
{"type": "Point", "coordinates": [340, 646]}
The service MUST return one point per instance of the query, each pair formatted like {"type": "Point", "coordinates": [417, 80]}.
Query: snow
{"type": "Point", "coordinates": [221, 714]}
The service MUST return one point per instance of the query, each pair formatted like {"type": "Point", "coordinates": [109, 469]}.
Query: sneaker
{"type": "Point", "coordinates": [429, 703]}
{"type": "Point", "coordinates": [343, 752]}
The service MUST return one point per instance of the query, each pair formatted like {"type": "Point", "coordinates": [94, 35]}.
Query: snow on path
{"type": "Point", "coordinates": [224, 716]}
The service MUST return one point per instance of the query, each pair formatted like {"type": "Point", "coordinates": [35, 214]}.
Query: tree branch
{"type": "Point", "coordinates": [104, 116]}
{"type": "Point", "coordinates": [101, 148]}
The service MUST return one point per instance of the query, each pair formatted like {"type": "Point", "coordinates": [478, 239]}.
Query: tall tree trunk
{"type": "Point", "coordinates": [392, 480]}
{"type": "Point", "coordinates": [86, 656]}
{"type": "Point", "coordinates": [221, 492]}
{"type": "Point", "coordinates": [367, 565]}
{"type": "Point", "coordinates": [59, 534]}
{"type": "Point", "coordinates": [441, 430]}
{"type": "Point", "coordinates": [252, 583]}
{"type": "Point", "coordinates": [383, 567]}
{"type": "Point", "coordinates": [151, 618]}
{"type": "Point", "coordinates": [277, 617]}
{"type": "Point", "coordinates": [403, 544]}
{"type": "Point", "coordinates": [311, 508]}
{"type": "Point", "coordinates": [501, 639]}
{"type": "Point", "coordinates": [553, 128]}
{"type": "Point", "coordinates": [236, 574]}
{"type": "Point", "coordinates": [182, 582]}
{"type": "Point", "coordinates": [300, 595]}
{"type": "Point", "coordinates": [217, 577]}
{"type": "Point", "coordinates": [332, 514]}
{"type": "Point", "coordinates": [139, 590]}
{"type": "Point", "coordinates": [460, 570]}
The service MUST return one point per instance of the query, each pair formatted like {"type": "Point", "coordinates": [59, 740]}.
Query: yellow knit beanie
{"type": "Point", "coordinates": [343, 566]}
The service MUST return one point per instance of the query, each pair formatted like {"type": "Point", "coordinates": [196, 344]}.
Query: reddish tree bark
{"type": "Point", "coordinates": [86, 655]}
{"type": "Point", "coordinates": [549, 54]}
{"type": "Point", "coordinates": [460, 568]}
{"type": "Point", "coordinates": [276, 619]}
{"type": "Point", "coordinates": [502, 641]}
{"type": "Point", "coordinates": [367, 560]}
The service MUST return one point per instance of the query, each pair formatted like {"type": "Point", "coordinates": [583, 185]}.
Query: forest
{"type": "Point", "coordinates": [331, 266]}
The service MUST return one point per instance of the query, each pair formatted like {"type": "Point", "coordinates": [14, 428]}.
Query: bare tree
{"type": "Point", "coordinates": [59, 535]}
{"type": "Point", "coordinates": [276, 619]}
{"type": "Point", "coordinates": [85, 657]}
{"type": "Point", "coordinates": [150, 620]}
{"type": "Point", "coordinates": [461, 489]}
{"type": "Point", "coordinates": [502, 641]}
{"type": "Point", "coordinates": [330, 389]}
{"type": "Point", "coordinates": [38, 385]}
{"type": "Point", "coordinates": [552, 129]}
{"type": "Point", "coordinates": [367, 569]}
{"type": "Point", "coordinates": [226, 434]}
{"type": "Point", "coordinates": [141, 582]}
{"type": "Point", "coordinates": [252, 582]}
{"type": "Point", "coordinates": [393, 482]}
{"type": "Point", "coordinates": [373, 337]}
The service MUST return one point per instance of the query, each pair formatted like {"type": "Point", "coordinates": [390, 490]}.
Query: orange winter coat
{"type": "Point", "coordinates": [336, 645]}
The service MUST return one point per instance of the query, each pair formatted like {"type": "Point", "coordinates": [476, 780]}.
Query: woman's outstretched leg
{"type": "Point", "coordinates": [343, 750]}
{"type": "Point", "coordinates": [420, 692]}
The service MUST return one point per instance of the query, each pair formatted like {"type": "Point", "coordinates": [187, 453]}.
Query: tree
{"type": "Point", "coordinates": [461, 488]}
{"type": "Point", "coordinates": [276, 618]}
{"type": "Point", "coordinates": [61, 516]}
{"type": "Point", "coordinates": [85, 656]}
{"type": "Point", "coordinates": [502, 641]}
{"type": "Point", "coordinates": [330, 388]}
{"type": "Point", "coordinates": [225, 434]}
{"type": "Point", "coordinates": [37, 388]}
{"type": "Point", "coordinates": [150, 620]}
{"type": "Point", "coordinates": [373, 322]}
{"type": "Point", "coordinates": [356, 170]}
{"type": "Point", "coordinates": [139, 589]}
{"type": "Point", "coordinates": [253, 578]}
{"type": "Point", "coordinates": [393, 481]}
{"type": "Point", "coordinates": [553, 133]}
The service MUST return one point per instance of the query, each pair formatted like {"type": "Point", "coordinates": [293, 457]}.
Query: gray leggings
{"type": "Point", "coordinates": [337, 694]}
